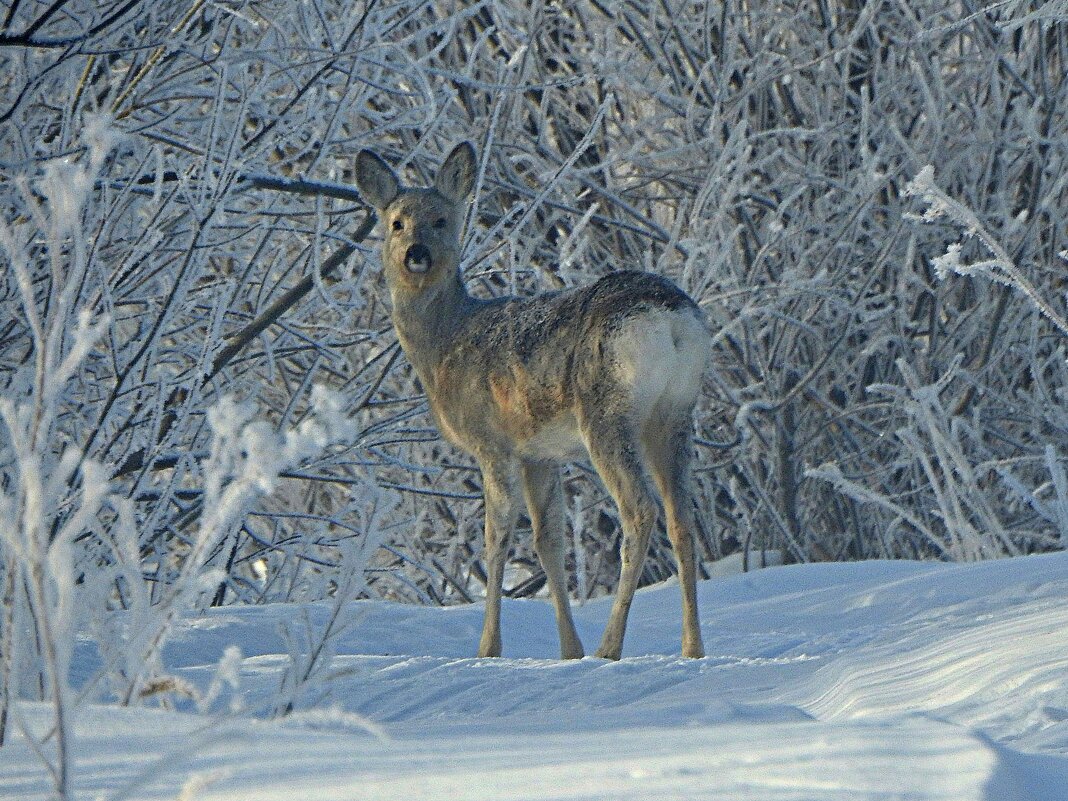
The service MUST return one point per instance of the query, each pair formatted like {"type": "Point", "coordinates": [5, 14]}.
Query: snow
{"type": "Point", "coordinates": [872, 680]}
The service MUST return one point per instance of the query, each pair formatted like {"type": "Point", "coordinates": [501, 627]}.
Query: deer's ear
{"type": "Point", "coordinates": [456, 178]}
{"type": "Point", "coordinates": [375, 179]}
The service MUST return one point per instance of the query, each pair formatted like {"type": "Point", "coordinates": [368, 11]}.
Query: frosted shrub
{"type": "Point", "coordinates": [196, 199]}
{"type": "Point", "coordinates": [243, 464]}
{"type": "Point", "coordinates": [50, 492]}
{"type": "Point", "coordinates": [71, 540]}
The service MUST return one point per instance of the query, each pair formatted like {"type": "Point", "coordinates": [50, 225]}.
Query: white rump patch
{"type": "Point", "coordinates": [661, 356]}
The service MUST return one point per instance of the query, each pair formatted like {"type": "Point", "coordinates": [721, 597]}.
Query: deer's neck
{"type": "Point", "coordinates": [428, 320]}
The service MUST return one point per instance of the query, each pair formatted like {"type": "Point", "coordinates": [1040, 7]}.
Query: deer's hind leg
{"type": "Point", "coordinates": [545, 502]}
{"type": "Point", "coordinates": [668, 445]}
{"type": "Point", "coordinates": [616, 453]}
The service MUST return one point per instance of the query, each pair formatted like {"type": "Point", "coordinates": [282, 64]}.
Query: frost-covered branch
{"type": "Point", "coordinates": [1001, 268]}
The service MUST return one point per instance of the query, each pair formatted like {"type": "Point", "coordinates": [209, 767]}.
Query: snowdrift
{"type": "Point", "coordinates": [877, 680]}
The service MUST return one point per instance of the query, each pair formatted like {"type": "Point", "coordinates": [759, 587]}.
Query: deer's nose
{"type": "Point", "coordinates": [417, 259]}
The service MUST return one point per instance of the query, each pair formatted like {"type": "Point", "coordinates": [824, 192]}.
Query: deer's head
{"type": "Point", "coordinates": [422, 224]}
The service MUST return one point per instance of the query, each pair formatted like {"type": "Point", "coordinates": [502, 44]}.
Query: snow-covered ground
{"type": "Point", "coordinates": [878, 680]}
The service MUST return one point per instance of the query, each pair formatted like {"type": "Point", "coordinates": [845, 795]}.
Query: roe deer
{"type": "Point", "coordinates": [612, 369]}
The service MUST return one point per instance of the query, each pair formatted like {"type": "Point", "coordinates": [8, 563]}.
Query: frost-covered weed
{"type": "Point", "coordinates": [71, 543]}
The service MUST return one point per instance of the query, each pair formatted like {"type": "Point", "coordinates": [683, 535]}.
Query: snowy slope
{"type": "Point", "coordinates": [879, 680]}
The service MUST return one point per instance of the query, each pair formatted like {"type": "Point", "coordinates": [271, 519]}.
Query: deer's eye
{"type": "Point", "coordinates": [439, 222]}
{"type": "Point", "coordinates": [398, 225]}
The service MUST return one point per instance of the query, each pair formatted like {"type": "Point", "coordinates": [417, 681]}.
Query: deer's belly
{"type": "Point", "coordinates": [557, 440]}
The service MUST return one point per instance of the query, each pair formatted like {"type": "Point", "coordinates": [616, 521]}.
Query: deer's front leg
{"type": "Point", "coordinates": [499, 493]}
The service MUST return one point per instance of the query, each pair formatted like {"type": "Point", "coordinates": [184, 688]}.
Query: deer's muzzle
{"type": "Point", "coordinates": [417, 259]}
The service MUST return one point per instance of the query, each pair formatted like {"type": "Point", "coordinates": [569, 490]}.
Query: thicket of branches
{"type": "Point", "coordinates": [177, 177]}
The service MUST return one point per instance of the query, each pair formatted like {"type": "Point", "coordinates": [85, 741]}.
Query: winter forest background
{"type": "Point", "coordinates": [203, 401]}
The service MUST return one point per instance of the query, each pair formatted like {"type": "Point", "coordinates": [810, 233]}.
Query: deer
{"type": "Point", "coordinates": [611, 371]}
